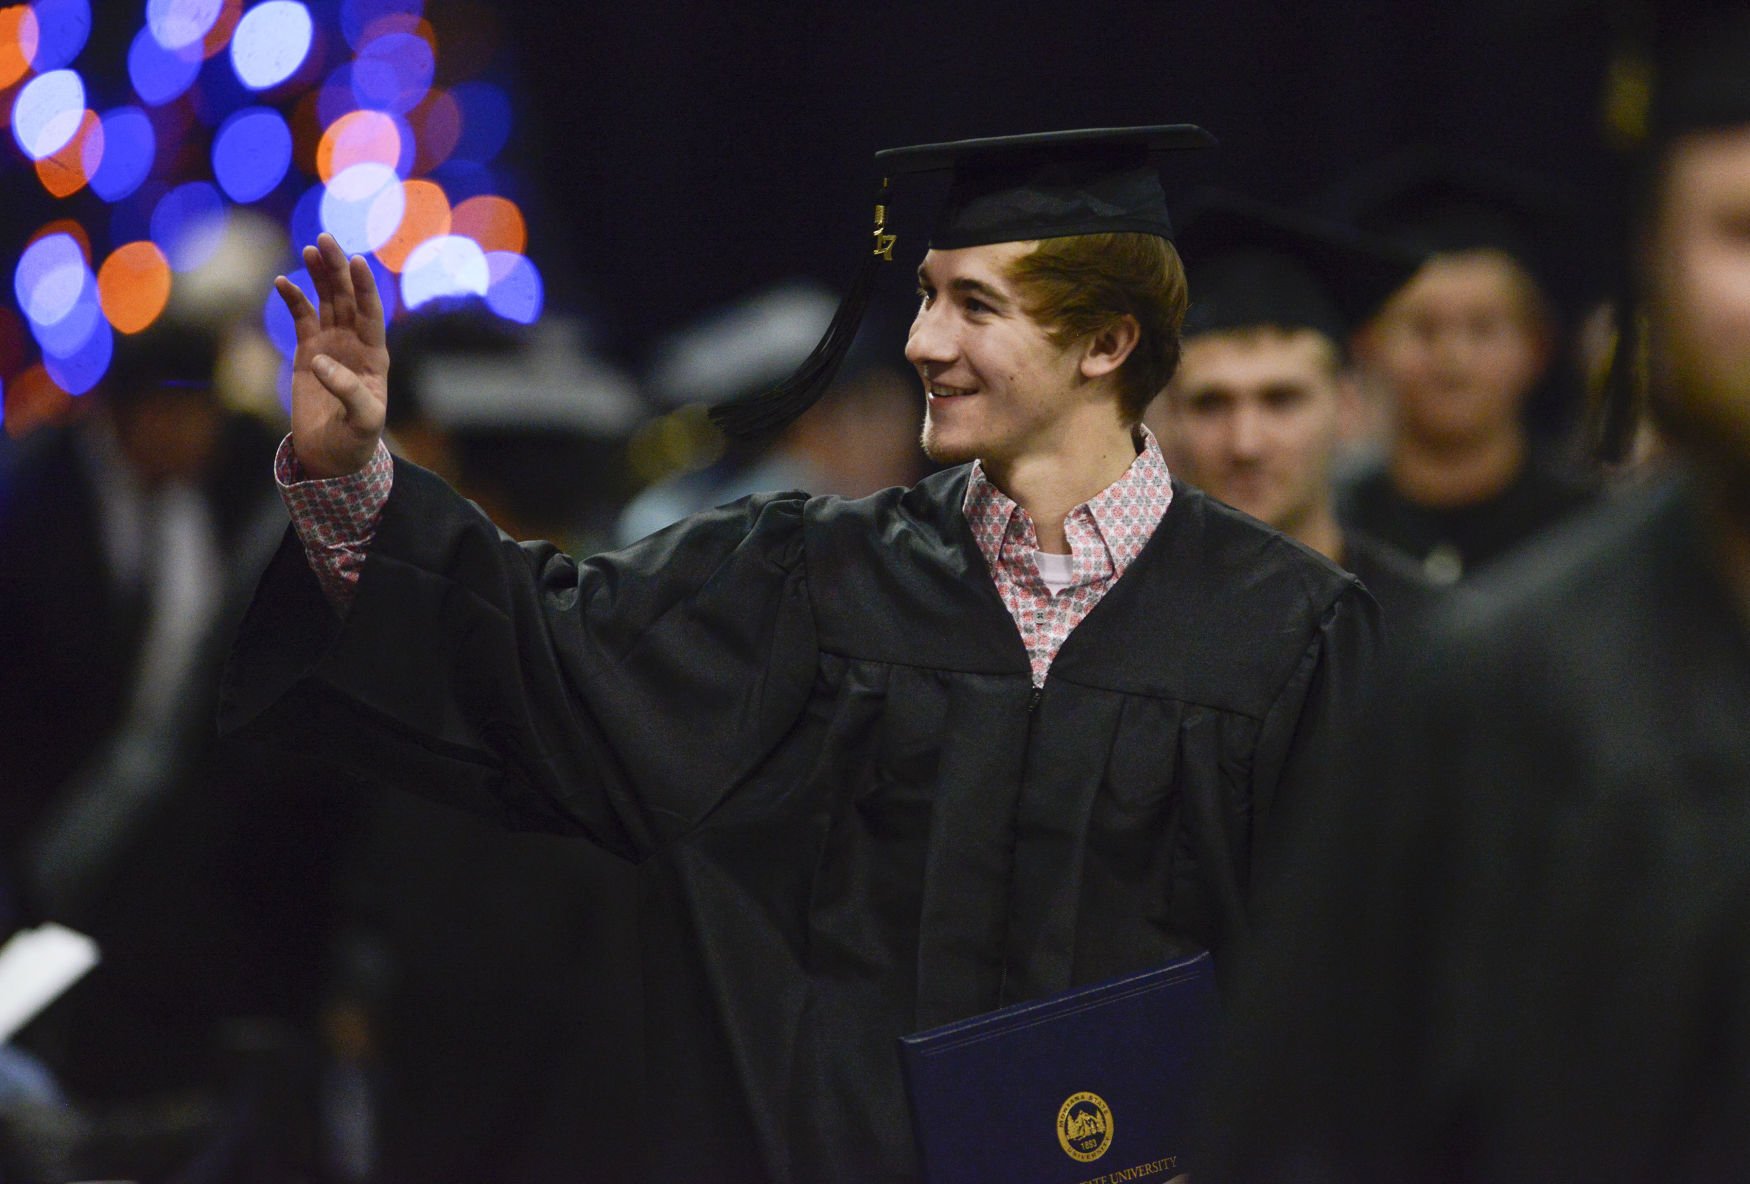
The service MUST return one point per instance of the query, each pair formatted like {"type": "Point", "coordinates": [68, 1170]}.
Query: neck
{"type": "Point", "coordinates": [1049, 484]}
{"type": "Point", "coordinates": [1441, 474]}
{"type": "Point", "coordinates": [1319, 530]}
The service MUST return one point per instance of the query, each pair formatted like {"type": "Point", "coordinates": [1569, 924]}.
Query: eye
{"type": "Point", "coordinates": [925, 295]}
{"type": "Point", "coordinates": [974, 304]}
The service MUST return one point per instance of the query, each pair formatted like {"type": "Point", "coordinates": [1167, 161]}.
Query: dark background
{"type": "Point", "coordinates": [684, 152]}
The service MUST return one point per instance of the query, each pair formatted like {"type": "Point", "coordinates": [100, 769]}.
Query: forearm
{"type": "Point", "coordinates": [335, 518]}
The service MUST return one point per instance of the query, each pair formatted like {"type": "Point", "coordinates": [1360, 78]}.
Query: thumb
{"type": "Point", "coordinates": [344, 385]}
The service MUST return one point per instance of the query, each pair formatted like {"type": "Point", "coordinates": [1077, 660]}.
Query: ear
{"type": "Point", "coordinates": [1106, 350]}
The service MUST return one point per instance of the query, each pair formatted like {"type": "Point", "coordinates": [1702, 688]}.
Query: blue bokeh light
{"type": "Point", "coordinates": [251, 154]}
{"type": "Point", "coordinates": [393, 73]}
{"type": "Point", "coordinates": [66, 337]}
{"type": "Point", "coordinates": [463, 179]}
{"type": "Point", "coordinates": [179, 24]}
{"type": "Point", "coordinates": [48, 278]}
{"type": "Point", "coordinates": [358, 16]}
{"type": "Point", "coordinates": [77, 371]}
{"type": "Point", "coordinates": [158, 74]}
{"type": "Point", "coordinates": [363, 207]}
{"type": "Point", "coordinates": [47, 113]}
{"type": "Point", "coordinates": [516, 292]}
{"type": "Point", "coordinates": [448, 265]}
{"type": "Point", "coordinates": [129, 147]}
{"type": "Point", "coordinates": [486, 118]}
{"type": "Point", "coordinates": [306, 220]}
{"type": "Point", "coordinates": [271, 42]}
{"type": "Point", "coordinates": [336, 98]}
{"type": "Point", "coordinates": [188, 223]}
{"type": "Point", "coordinates": [63, 27]}
{"type": "Point", "coordinates": [388, 287]}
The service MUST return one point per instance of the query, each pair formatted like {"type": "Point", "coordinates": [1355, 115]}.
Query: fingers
{"type": "Point", "coordinates": [304, 317]}
{"type": "Point", "coordinates": [319, 280]}
{"type": "Point", "coordinates": [334, 262]}
{"type": "Point", "coordinates": [370, 303]}
{"type": "Point", "coordinates": [344, 385]}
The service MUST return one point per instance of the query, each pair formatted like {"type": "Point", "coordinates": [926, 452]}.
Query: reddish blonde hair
{"type": "Point", "coordinates": [1082, 284]}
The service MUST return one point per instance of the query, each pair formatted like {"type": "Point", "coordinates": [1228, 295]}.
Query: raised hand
{"type": "Point", "coordinates": [340, 371]}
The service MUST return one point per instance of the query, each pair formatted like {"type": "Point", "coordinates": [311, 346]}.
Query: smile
{"type": "Point", "coordinates": [937, 391]}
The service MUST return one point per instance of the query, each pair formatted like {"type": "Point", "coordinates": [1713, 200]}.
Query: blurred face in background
{"type": "Point", "coordinates": [1253, 417]}
{"type": "Point", "coordinates": [1697, 269]}
{"type": "Point", "coordinates": [1459, 348]}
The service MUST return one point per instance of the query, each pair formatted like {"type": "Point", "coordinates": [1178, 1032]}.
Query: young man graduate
{"type": "Point", "coordinates": [1255, 412]}
{"type": "Point", "coordinates": [882, 766]}
{"type": "Point", "coordinates": [1519, 948]}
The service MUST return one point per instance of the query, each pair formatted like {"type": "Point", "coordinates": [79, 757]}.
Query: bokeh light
{"type": "Point", "coordinates": [514, 290]}
{"type": "Point", "coordinates": [438, 124]}
{"type": "Point", "coordinates": [362, 207]}
{"type": "Point", "coordinates": [70, 227]}
{"type": "Point", "coordinates": [81, 368]}
{"type": "Point", "coordinates": [48, 112]}
{"type": "Point", "coordinates": [18, 40]}
{"type": "Point", "coordinates": [485, 120]}
{"type": "Point", "coordinates": [33, 401]}
{"type": "Point", "coordinates": [219, 36]}
{"type": "Point", "coordinates": [62, 28]}
{"type": "Point", "coordinates": [271, 42]}
{"type": "Point", "coordinates": [48, 277]}
{"type": "Point", "coordinates": [133, 286]}
{"type": "Point", "coordinates": [493, 222]}
{"type": "Point", "coordinates": [306, 220]}
{"type": "Point", "coordinates": [393, 73]}
{"type": "Point", "coordinates": [188, 223]}
{"type": "Point", "coordinates": [361, 19]}
{"type": "Point", "coordinates": [66, 171]}
{"type": "Point", "coordinates": [360, 137]}
{"type": "Point", "coordinates": [182, 24]}
{"type": "Point", "coordinates": [251, 154]}
{"type": "Point", "coordinates": [158, 74]}
{"type": "Point", "coordinates": [427, 215]}
{"type": "Point", "coordinates": [129, 146]}
{"type": "Point", "coordinates": [446, 266]}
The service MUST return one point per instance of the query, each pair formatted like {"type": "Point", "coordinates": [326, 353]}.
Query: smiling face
{"type": "Point", "coordinates": [1252, 417]}
{"type": "Point", "coordinates": [1460, 347]}
{"type": "Point", "coordinates": [1698, 280]}
{"type": "Point", "coordinates": [997, 388]}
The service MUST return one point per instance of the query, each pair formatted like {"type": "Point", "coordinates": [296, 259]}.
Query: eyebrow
{"type": "Point", "coordinates": [967, 284]}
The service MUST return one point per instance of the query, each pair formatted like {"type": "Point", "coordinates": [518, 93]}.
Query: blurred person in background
{"type": "Point", "coordinates": [862, 436]}
{"type": "Point", "coordinates": [483, 1012]}
{"type": "Point", "coordinates": [1254, 416]}
{"type": "Point", "coordinates": [1458, 353]}
{"type": "Point", "coordinates": [128, 541]}
{"type": "Point", "coordinates": [1516, 945]}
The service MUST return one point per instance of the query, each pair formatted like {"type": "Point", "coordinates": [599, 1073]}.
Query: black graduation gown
{"type": "Point", "coordinates": [1457, 540]}
{"type": "Point", "coordinates": [1395, 581]}
{"type": "Point", "coordinates": [1519, 947]}
{"type": "Point", "coordinates": [813, 722]}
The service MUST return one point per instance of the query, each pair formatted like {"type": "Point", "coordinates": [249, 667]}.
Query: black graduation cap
{"type": "Point", "coordinates": [1004, 189]}
{"type": "Point", "coordinates": [1256, 264]}
{"type": "Point", "coordinates": [1432, 202]}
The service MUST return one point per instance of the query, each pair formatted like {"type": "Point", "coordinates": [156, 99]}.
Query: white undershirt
{"type": "Point", "coordinates": [1056, 570]}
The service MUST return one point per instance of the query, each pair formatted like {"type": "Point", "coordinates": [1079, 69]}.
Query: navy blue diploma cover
{"type": "Point", "coordinates": [1096, 1084]}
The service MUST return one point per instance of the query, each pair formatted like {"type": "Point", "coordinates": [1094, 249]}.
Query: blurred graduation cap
{"type": "Point", "coordinates": [1253, 264]}
{"type": "Point", "coordinates": [1003, 189]}
{"type": "Point", "coordinates": [1431, 202]}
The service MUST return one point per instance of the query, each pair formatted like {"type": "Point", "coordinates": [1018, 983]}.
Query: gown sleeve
{"type": "Point", "coordinates": [621, 697]}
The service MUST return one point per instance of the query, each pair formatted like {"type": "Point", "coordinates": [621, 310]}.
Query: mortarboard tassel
{"type": "Point", "coordinates": [768, 412]}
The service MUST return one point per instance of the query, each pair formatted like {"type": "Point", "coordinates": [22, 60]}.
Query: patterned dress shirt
{"type": "Point", "coordinates": [336, 518]}
{"type": "Point", "coordinates": [1106, 533]}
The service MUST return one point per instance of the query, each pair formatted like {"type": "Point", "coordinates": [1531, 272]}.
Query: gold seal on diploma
{"type": "Point", "coordinates": [1084, 1127]}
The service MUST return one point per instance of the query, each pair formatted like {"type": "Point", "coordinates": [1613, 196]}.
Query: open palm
{"type": "Point", "coordinates": [340, 371]}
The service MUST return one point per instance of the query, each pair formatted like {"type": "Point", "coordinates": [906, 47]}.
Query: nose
{"type": "Point", "coordinates": [930, 341]}
{"type": "Point", "coordinates": [1248, 433]}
